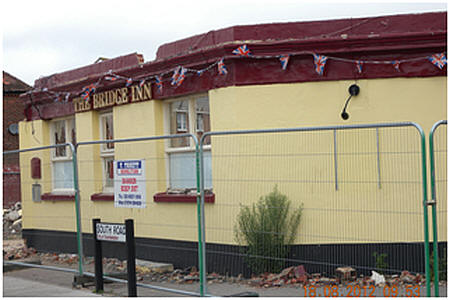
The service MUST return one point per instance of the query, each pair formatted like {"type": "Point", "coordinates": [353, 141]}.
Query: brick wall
{"type": "Point", "coordinates": [12, 113]}
{"type": "Point", "coordinates": [11, 189]}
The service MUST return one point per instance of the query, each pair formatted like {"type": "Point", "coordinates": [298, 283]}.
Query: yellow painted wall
{"type": "Point", "coordinates": [246, 167]}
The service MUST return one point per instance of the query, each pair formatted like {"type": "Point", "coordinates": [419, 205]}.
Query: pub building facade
{"type": "Point", "coordinates": [230, 79]}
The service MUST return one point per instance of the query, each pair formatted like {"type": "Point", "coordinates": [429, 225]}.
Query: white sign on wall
{"type": "Point", "coordinates": [110, 232]}
{"type": "Point", "coordinates": [129, 183]}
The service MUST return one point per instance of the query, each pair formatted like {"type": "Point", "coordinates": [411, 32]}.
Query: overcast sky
{"type": "Point", "coordinates": [44, 37]}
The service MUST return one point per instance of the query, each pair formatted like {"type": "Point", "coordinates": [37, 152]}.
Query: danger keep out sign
{"type": "Point", "coordinates": [129, 183]}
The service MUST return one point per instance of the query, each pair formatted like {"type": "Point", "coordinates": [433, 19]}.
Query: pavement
{"type": "Point", "coordinates": [41, 283]}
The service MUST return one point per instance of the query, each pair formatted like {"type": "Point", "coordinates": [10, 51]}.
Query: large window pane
{"type": "Point", "coordinates": [179, 122]}
{"type": "Point", "coordinates": [183, 172]}
{"type": "Point", "coordinates": [203, 120]}
{"type": "Point", "coordinates": [59, 137]}
{"type": "Point", "coordinates": [107, 131]}
{"type": "Point", "coordinates": [62, 175]}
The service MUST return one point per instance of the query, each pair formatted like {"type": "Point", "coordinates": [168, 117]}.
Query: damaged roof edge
{"type": "Point", "coordinates": [278, 32]}
{"type": "Point", "coordinates": [333, 36]}
{"type": "Point", "coordinates": [92, 70]}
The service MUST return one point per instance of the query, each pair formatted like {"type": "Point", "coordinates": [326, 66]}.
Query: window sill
{"type": "Point", "coordinates": [102, 197]}
{"type": "Point", "coordinates": [181, 198]}
{"type": "Point", "coordinates": [58, 197]}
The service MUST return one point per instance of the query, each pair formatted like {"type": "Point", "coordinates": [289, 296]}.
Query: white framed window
{"type": "Point", "coordinates": [107, 151]}
{"type": "Point", "coordinates": [187, 115]}
{"type": "Point", "coordinates": [62, 131]}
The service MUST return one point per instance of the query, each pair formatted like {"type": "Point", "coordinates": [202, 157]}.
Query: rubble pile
{"type": "Point", "coordinates": [17, 251]}
{"type": "Point", "coordinates": [12, 221]}
{"type": "Point", "coordinates": [295, 276]}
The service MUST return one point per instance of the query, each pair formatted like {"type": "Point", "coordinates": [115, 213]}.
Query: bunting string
{"type": "Point", "coordinates": [180, 73]}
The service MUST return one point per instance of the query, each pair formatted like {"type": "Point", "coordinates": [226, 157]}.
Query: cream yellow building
{"type": "Point", "coordinates": [361, 188]}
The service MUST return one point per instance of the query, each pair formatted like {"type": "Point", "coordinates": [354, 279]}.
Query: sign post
{"type": "Point", "coordinates": [122, 233]}
{"type": "Point", "coordinates": [98, 259]}
{"type": "Point", "coordinates": [131, 255]}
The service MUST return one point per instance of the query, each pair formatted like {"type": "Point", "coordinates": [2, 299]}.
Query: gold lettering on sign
{"type": "Point", "coordinates": [140, 94]}
{"type": "Point", "coordinates": [81, 105]}
{"type": "Point", "coordinates": [113, 97]}
{"type": "Point", "coordinates": [124, 94]}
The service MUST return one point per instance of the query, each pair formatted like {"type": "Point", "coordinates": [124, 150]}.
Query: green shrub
{"type": "Point", "coordinates": [380, 261]}
{"type": "Point", "coordinates": [266, 229]}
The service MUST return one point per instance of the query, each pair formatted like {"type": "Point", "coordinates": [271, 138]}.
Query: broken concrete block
{"type": "Point", "coordinates": [346, 274]}
{"type": "Point", "coordinates": [155, 266]}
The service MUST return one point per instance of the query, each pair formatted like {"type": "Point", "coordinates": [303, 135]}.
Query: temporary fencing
{"type": "Point", "coordinates": [163, 230]}
{"type": "Point", "coordinates": [51, 168]}
{"type": "Point", "coordinates": [362, 190]}
{"type": "Point", "coordinates": [438, 202]}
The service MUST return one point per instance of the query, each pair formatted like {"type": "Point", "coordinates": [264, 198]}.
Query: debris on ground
{"type": "Point", "coordinates": [346, 274]}
{"type": "Point", "coordinates": [12, 222]}
{"type": "Point", "coordinates": [377, 278]}
{"type": "Point", "coordinates": [294, 276]}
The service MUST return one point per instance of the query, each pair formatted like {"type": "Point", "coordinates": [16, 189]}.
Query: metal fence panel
{"type": "Point", "coordinates": [361, 189]}
{"type": "Point", "coordinates": [166, 229]}
{"type": "Point", "coordinates": [438, 178]}
{"type": "Point", "coordinates": [54, 172]}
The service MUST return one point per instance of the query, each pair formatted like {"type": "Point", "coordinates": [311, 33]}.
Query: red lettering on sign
{"type": "Point", "coordinates": [128, 180]}
{"type": "Point", "coordinates": [134, 188]}
{"type": "Point", "coordinates": [124, 188]}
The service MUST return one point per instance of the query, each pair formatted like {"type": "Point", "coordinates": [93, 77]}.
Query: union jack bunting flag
{"type": "Point", "coordinates": [200, 72]}
{"type": "Point", "coordinates": [175, 76]}
{"type": "Point", "coordinates": [222, 68]}
{"type": "Point", "coordinates": [284, 59]}
{"type": "Point", "coordinates": [438, 59]}
{"type": "Point", "coordinates": [159, 84]}
{"type": "Point", "coordinates": [141, 83]}
{"type": "Point", "coordinates": [87, 91]}
{"type": "Point", "coordinates": [85, 95]}
{"type": "Point", "coordinates": [359, 66]}
{"type": "Point", "coordinates": [67, 97]}
{"type": "Point", "coordinates": [178, 76]}
{"type": "Point", "coordinates": [182, 76]}
{"type": "Point", "coordinates": [129, 82]}
{"type": "Point", "coordinates": [242, 51]}
{"type": "Point", "coordinates": [396, 64]}
{"type": "Point", "coordinates": [319, 62]}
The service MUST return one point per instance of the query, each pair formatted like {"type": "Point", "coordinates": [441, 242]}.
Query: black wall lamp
{"type": "Point", "coordinates": [354, 91]}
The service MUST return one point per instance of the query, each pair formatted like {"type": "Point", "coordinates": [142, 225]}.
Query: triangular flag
{"type": "Point", "coordinates": [222, 68]}
{"type": "Point", "coordinates": [319, 62]}
{"type": "Point", "coordinates": [359, 66]}
{"type": "Point", "coordinates": [284, 59]}
{"type": "Point", "coordinates": [438, 59]}
{"type": "Point", "coordinates": [242, 51]}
